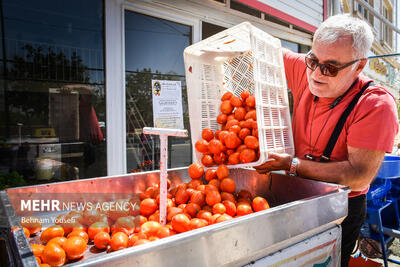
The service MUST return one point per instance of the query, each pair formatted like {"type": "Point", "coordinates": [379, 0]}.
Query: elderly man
{"type": "Point", "coordinates": [324, 82]}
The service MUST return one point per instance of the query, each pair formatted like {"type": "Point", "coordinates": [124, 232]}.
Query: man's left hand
{"type": "Point", "coordinates": [275, 162]}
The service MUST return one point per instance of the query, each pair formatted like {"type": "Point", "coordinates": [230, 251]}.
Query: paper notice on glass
{"type": "Point", "coordinates": [167, 104]}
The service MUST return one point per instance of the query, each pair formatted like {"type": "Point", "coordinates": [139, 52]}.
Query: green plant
{"type": "Point", "coordinates": [12, 179]}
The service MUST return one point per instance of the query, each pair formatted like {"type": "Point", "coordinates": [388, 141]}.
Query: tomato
{"type": "Point", "coordinates": [198, 198]}
{"type": "Point", "coordinates": [230, 123]}
{"type": "Point", "coordinates": [235, 128]}
{"type": "Point", "coordinates": [226, 96]}
{"type": "Point", "coordinates": [223, 218]}
{"type": "Point", "coordinates": [124, 224]}
{"type": "Point", "coordinates": [210, 188]}
{"type": "Point", "coordinates": [205, 215]}
{"type": "Point", "coordinates": [207, 160]}
{"type": "Point", "coordinates": [228, 185]}
{"type": "Point", "coordinates": [239, 113]}
{"type": "Point", "coordinates": [70, 227]}
{"type": "Point", "coordinates": [148, 206]}
{"type": "Point", "coordinates": [218, 208]}
{"type": "Point", "coordinates": [201, 188]}
{"type": "Point", "coordinates": [207, 208]}
{"type": "Point", "coordinates": [153, 238]}
{"type": "Point", "coordinates": [202, 146]}
{"type": "Point", "coordinates": [251, 101]}
{"type": "Point", "coordinates": [53, 255]}
{"type": "Point", "coordinates": [230, 207]}
{"type": "Point", "coordinates": [155, 217]}
{"type": "Point", "coordinates": [196, 170]}
{"type": "Point", "coordinates": [232, 140]}
{"type": "Point", "coordinates": [171, 212]}
{"type": "Point", "coordinates": [228, 196]}
{"type": "Point", "coordinates": [75, 247]}
{"type": "Point", "coordinates": [212, 198]}
{"type": "Point", "coordinates": [51, 232]}
{"type": "Point", "coordinates": [222, 171]}
{"type": "Point", "coordinates": [229, 152]}
{"type": "Point", "coordinates": [182, 196]}
{"type": "Point", "coordinates": [102, 240]}
{"type": "Point", "coordinates": [230, 117]}
{"type": "Point", "coordinates": [194, 183]}
{"type": "Point", "coordinates": [119, 241]}
{"type": "Point", "coordinates": [32, 223]}
{"type": "Point", "coordinates": [210, 174]}
{"type": "Point", "coordinates": [222, 118]}
{"type": "Point", "coordinates": [252, 114]}
{"type": "Point", "coordinates": [220, 158]}
{"type": "Point", "coordinates": [192, 209]}
{"type": "Point", "coordinates": [243, 193]}
{"type": "Point", "coordinates": [207, 134]}
{"type": "Point", "coordinates": [243, 209]}
{"type": "Point", "coordinates": [247, 155]}
{"type": "Point", "coordinates": [226, 107]}
{"type": "Point", "coordinates": [251, 142]}
{"type": "Point", "coordinates": [59, 240]}
{"type": "Point", "coordinates": [96, 228]}
{"type": "Point", "coordinates": [244, 132]}
{"type": "Point", "coordinates": [165, 232]}
{"type": "Point", "coordinates": [150, 228]}
{"type": "Point", "coordinates": [214, 182]}
{"type": "Point", "coordinates": [255, 132]}
{"type": "Point", "coordinates": [140, 242]}
{"type": "Point", "coordinates": [215, 146]}
{"type": "Point", "coordinates": [260, 203]}
{"type": "Point", "coordinates": [180, 223]}
{"type": "Point", "coordinates": [236, 101]}
{"type": "Point", "coordinates": [244, 95]}
{"type": "Point", "coordinates": [82, 234]}
{"type": "Point", "coordinates": [234, 158]}
{"type": "Point", "coordinates": [197, 223]}
{"type": "Point", "coordinates": [246, 124]}
{"type": "Point", "coordinates": [222, 136]}
{"type": "Point", "coordinates": [37, 249]}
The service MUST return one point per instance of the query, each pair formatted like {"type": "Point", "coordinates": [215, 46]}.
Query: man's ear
{"type": "Point", "coordinates": [361, 65]}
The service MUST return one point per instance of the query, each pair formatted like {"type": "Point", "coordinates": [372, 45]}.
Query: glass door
{"type": "Point", "coordinates": [153, 51]}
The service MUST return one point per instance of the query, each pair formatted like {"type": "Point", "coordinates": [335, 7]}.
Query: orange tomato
{"type": "Point", "coordinates": [96, 228]}
{"type": "Point", "coordinates": [207, 160]}
{"type": "Point", "coordinates": [202, 146]}
{"type": "Point", "coordinates": [102, 240]}
{"type": "Point", "coordinates": [235, 128]}
{"type": "Point", "coordinates": [226, 96]}
{"type": "Point", "coordinates": [212, 198]}
{"type": "Point", "coordinates": [180, 223]}
{"type": "Point", "coordinates": [32, 223]}
{"type": "Point", "coordinates": [150, 228]}
{"type": "Point", "coordinates": [251, 142]}
{"type": "Point", "coordinates": [230, 207]}
{"type": "Point", "coordinates": [234, 158]}
{"type": "Point", "coordinates": [194, 183]}
{"type": "Point", "coordinates": [59, 240]}
{"type": "Point", "coordinates": [148, 206]}
{"type": "Point", "coordinates": [236, 101]}
{"type": "Point", "coordinates": [247, 155]}
{"type": "Point", "coordinates": [243, 209]}
{"type": "Point", "coordinates": [260, 203]}
{"type": "Point", "coordinates": [210, 174]}
{"type": "Point", "coordinates": [215, 146]}
{"type": "Point", "coordinates": [198, 198]}
{"type": "Point", "coordinates": [228, 196]}
{"type": "Point", "coordinates": [244, 133]}
{"type": "Point", "coordinates": [119, 241]}
{"type": "Point", "coordinates": [232, 140]}
{"type": "Point", "coordinates": [239, 114]}
{"type": "Point", "coordinates": [223, 218]}
{"type": "Point", "coordinates": [210, 188]}
{"type": "Point", "coordinates": [246, 124]}
{"type": "Point", "coordinates": [75, 247]}
{"type": "Point", "coordinates": [37, 249]}
{"type": "Point", "coordinates": [222, 118]}
{"type": "Point", "coordinates": [197, 223]}
{"type": "Point", "coordinates": [192, 209]}
{"type": "Point", "coordinates": [53, 255]}
{"type": "Point", "coordinates": [215, 182]}
{"type": "Point", "coordinates": [252, 114]}
{"type": "Point", "coordinates": [171, 212]}
{"type": "Point", "coordinates": [195, 170]}
{"type": "Point", "coordinates": [207, 134]}
{"type": "Point", "coordinates": [182, 196]}
{"type": "Point", "coordinates": [228, 185]}
{"type": "Point", "coordinates": [251, 101]}
{"type": "Point", "coordinates": [244, 95]}
{"type": "Point", "coordinates": [51, 232]}
{"type": "Point", "coordinates": [140, 242]}
{"type": "Point", "coordinates": [226, 107]}
{"type": "Point", "coordinates": [220, 158]}
{"type": "Point", "coordinates": [82, 234]}
{"type": "Point", "coordinates": [231, 123]}
{"type": "Point", "coordinates": [205, 215]}
{"type": "Point", "coordinates": [165, 232]}
{"type": "Point", "coordinates": [218, 208]}
{"type": "Point", "coordinates": [222, 171]}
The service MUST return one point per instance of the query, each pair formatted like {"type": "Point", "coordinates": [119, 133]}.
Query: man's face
{"type": "Point", "coordinates": [336, 54]}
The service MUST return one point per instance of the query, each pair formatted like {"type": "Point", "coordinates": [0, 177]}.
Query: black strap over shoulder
{"type": "Point", "coordinates": [339, 126]}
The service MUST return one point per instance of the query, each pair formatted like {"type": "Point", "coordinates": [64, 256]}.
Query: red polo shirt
{"type": "Point", "coordinates": [373, 123]}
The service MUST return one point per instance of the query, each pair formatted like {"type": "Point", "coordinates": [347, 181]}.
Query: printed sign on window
{"type": "Point", "coordinates": [167, 104]}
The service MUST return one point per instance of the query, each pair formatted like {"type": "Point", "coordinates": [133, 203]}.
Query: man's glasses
{"type": "Point", "coordinates": [326, 69]}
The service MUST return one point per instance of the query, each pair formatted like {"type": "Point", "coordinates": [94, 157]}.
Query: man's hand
{"type": "Point", "coordinates": [275, 162]}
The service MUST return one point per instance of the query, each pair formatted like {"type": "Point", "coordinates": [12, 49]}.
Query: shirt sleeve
{"type": "Point", "coordinates": [295, 71]}
{"type": "Point", "coordinates": [375, 123]}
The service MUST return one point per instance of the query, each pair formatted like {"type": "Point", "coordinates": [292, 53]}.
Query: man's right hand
{"type": "Point", "coordinates": [275, 162]}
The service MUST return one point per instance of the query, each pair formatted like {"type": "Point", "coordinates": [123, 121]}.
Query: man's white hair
{"type": "Point", "coordinates": [344, 26]}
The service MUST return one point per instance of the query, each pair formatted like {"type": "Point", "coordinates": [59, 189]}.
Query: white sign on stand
{"type": "Point", "coordinates": [167, 104]}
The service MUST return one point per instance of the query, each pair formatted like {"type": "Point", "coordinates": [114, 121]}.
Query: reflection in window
{"type": "Point", "coordinates": [52, 103]}
{"type": "Point", "coordinates": [153, 50]}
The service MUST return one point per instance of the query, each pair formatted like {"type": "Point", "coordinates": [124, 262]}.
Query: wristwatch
{"type": "Point", "coordinates": [293, 167]}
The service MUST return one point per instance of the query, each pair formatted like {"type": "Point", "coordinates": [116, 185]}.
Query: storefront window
{"type": "Point", "coordinates": [52, 97]}
{"type": "Point", "coordinates": [153, 51]}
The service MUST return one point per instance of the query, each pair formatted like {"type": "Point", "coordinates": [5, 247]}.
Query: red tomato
{"type": "Point", "coordinates": [220, 158]}
{"type": "Point", "coordinates": [243, 133]}
{"type": "Point", "coordinates": [207, 160]}
{"type": "Point", "coordinates": [234, 158]}
{"type": "Point", "coordinates": [247, 155]}
{"type": "Point", "coordinates": [251, 101]}
{"type": "Point", "coordinates": [215, 146]}
{"type": "Point", "coordinates": [244, 95]}
{"type": "Point", "coordinates": [222, 118]}
{"type": "Point", "coordinates": [148, 206]}
{"type": "Point", "coordinates": [239, 113]}
{"type": "Point", "coordinates": [260, 203]}
{"type": "Point", "coordinates": [210, 174]}
{"type": "Point", "coordinates": [236, 101]}
{"type": "Point", "coordinates": [222, 171]}
{"type": "Point", "coordinates": [230, 207]}
{"type": "Point", "coordinates": [196, 171]}
{"type": "Point", "coordinates": [226, 96]}
{"type": "Point", "coordinates": [251, 142]}
{"type": "Point", "coordinates": [207, 134]}
{"type": "Point", "coordinates": [119, 241]}
{"type": "Point", "coordinates": [202, 146]}
{"type": "Point", "coordinates": [180, 223]}
{"type": "Point", "coordinates": [197, 223]}
{"type": "Point", "coordinates": [218, 208]}
{"type": "Point", "coordinates": [212, 198]}
{"type": "Point", "coordinates": [228, 185]}
{"type": "Point", "coordinates": [252, 114]}
{"type": "Point", "coordinates": [226, 107]}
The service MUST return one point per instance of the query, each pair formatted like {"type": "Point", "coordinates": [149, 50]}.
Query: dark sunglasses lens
{"type": "Point", "coordinates": [311, 63]}
{"type": "Point", "coordinates": [329, 70]}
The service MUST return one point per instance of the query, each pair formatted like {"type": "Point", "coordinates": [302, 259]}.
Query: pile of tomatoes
{"type": "Point", "coordinates": [210, 197]}
{"type": "Point", "coordinates": [237, 141]}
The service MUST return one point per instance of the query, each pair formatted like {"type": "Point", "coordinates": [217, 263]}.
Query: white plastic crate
{"type": "Point", "coordinates": [240, 58]}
